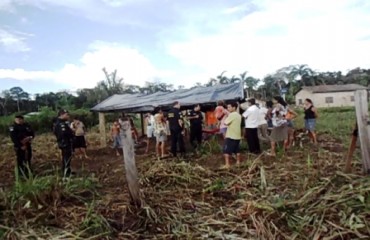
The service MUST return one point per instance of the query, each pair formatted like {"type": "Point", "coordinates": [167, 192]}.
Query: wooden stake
{"type": "Point", "coordinates": [362, 115]}
{"type": "Point", "coordinates": [103, 135]}
{"type": "Point", "coordinates": [351, 150]}
{"type": "Point", "coordinates": [130, 165]}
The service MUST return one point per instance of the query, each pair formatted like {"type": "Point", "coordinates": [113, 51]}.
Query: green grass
{"type": "Point", "coordinates": [337, 122]}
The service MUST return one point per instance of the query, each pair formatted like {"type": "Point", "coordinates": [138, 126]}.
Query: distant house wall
{"type": "Point", "coordinates": [330, 99]}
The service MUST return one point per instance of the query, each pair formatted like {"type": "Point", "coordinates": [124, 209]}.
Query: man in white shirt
{"type": "Point", "coordinates": [251, 116]}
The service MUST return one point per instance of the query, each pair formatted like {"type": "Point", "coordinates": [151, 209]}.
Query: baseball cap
{"type": "Point", "coordinates": [62, 111]}
{"type": "Point", "coordinates": [19, 116]}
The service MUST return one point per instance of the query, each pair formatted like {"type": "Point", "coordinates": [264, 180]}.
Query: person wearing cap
{"type": "Point", "coordinates": [64, 135]}
{"type": "Point", "coordinates": [22, 134]}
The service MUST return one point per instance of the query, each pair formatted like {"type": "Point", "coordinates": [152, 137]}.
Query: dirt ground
{"type": "Point", "coordinates": [114, 203]}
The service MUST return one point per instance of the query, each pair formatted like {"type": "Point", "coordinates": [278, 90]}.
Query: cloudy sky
{"type": "Point", "coordinates": [49, 45]}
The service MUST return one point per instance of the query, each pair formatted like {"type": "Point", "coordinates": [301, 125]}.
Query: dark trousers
{"type": "Point", "coordinates": [24, 160]}
{"type": "Point", "coordinates": [196, 135]}
{"type": "Point", "coordinates": [177, 138]}
{"type": "Point", "coordinates": [66, 161]}
{"type": "Point", "coordinates": [251, 134]}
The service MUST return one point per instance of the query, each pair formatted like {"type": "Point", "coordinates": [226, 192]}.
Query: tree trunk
{"type": "Point", "coordinates": [130, 165]}
{"type": "Point", "coordinates": [18, 105]}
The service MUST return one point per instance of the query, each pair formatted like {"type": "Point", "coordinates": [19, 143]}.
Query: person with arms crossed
{"type": "Point", "coordinates": [22, 134]}
{"type": "Point", "coordinates": [64, 136]}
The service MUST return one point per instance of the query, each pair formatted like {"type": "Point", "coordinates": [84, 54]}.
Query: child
{"type": "Point", "coordinates": [160, 132]}
{"type": "Point", "coordinates": [115, 132]}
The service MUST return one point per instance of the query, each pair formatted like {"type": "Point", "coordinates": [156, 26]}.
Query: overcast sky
{"type": "Point", "coordinates": [49, 45]}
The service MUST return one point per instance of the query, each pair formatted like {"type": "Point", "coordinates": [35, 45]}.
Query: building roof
{"type": "Point", "coordinates": [334, 88]}
{"type": "Point", "coordinates": [187, 97]}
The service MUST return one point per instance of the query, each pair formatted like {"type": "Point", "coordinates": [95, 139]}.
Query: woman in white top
{"type": "Point", "coordinates": [160, 132]}
{"type": "Point", "coordinates": [280, 124]}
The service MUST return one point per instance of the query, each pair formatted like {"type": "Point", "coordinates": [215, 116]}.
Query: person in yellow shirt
{"type": "Point", "coordinates": [233, 134]}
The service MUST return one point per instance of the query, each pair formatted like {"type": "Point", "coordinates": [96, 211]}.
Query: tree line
{"type": "Point", "coordinates": [290, 78]}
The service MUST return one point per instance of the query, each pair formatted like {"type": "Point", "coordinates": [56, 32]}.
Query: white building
{"type": "Point", "coordinates": [329, 95]}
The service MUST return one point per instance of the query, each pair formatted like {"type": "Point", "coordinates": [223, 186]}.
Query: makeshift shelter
{"type": "Point", "coordinates": [141, 103]}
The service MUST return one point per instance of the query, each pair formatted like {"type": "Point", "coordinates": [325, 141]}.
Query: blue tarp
{"type": "Point", "coordinates": [187, 97]}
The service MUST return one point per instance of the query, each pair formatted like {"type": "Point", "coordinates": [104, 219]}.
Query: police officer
{"type": "Point", "coordinates": [196, 121]}
{"type": "Point", "coordinates": [22, 134]}
{"type": "Point", "coordinates": [176, 129]}
{"type": "Point", "coordinates": [64, 135]}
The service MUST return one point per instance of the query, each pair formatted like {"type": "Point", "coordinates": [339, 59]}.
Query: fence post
{"type": "Point", "coordinates": [130, 164]}
{"type": "Point", "coordinates": [363, 123]}
{"type": "Point", "coordinates": [103, 135]}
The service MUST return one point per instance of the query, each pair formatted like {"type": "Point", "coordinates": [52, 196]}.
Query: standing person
{"type": "Point", "coordinates": [79, 141]}
{"type": "Point", "coordinates": [176, 129]}
{"type": "Point", "coordinates": [251, 116]}
{"type": "Point", "coordinates": [150, 121]}
{"type": "Point", "coordinates": [270, 108]}
{"type": "Point", "coordinates": [310, 115]}
{"type": "Point", "coordinates": [116, 137]}
{"type": "Point", "coordinates": [64, 135]}
{"type": "Point", "coordinates": [160, 132]}
{"type": "Point", "coordinates": [22, 134]}
{"type": "Point", "coordinates": [135, 134]}
{"type": "Point", "coordinates": [221, 114]}
{"type": "Point", "coordinates": [233, 134]}
{"type": "Point", "coordinates": [280, 128]}
{"type": "Point", "coordinates": [290, 116]}
{"type": "Point", "coordinates": [196, 121]}
{"type": "Point", "coordinates": [263, 124]}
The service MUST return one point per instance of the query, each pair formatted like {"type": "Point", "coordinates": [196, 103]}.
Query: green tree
{"type": "Point", "coordinates": [18, 95]}
{"type": "Point", "coordinates": [5, 97]}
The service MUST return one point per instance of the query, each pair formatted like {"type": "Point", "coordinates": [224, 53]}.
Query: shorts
{"type": "Point", "coordinates": [161, 138]}
{"type": "Point", "coordinates": [117, 141]}
{"type": "Point", "coordinates": [223, 130]}
{"type": "Point", "coordinates": [150, 132]}
{"type": "Point", "coordinates": [231, 146]}
{"type": "Point", "coordinates": [290, 124]}
{"type": "Point", "coordinates": [79, 142]}
{"type": "Point", "coordinates": [310, 124]}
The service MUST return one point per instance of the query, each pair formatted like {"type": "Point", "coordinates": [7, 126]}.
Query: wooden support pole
{"type": "Point", "coordinates": [130, 164]}
{"type": "Point", "coordinates": [103, 135]}
{"type": "Point", "coordinates": [351, 150]}
{"type": "Point", "coordinates": [142, 124]}
{"type": "Point", "coordinates": [362, 115]}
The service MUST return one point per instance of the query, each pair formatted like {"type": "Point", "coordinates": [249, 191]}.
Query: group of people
{"type": "Point", "coordinates": [258, 118]}
{"type": "Point", "coordinates": [70, 138]}
{"type": "Point", "coordinates": [270, 122]}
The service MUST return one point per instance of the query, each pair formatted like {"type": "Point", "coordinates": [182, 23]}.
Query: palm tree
{"type": "Point", "coordinates": [220, 79]}
{"type": "Point", "coordinates": [303, 74]}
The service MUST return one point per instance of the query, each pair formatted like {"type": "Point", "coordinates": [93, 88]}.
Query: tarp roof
{"type": "Point", "coordinates": [187, 97]}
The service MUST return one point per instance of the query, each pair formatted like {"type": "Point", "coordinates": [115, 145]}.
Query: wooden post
{"type": "Point", "coordinates": [103, 135]}
{"type": "Point", "coordinates": [142, 124]}
{"type": "Point", "coordinates": [362, 115]}
{"type": "Point", "coordinates": [351, 150]}
{"type": "Point", "coordinates": [130, 165]}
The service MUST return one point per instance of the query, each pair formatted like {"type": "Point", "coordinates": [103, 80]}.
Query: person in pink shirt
{"type": "Point", "coordinates": [221, 114]}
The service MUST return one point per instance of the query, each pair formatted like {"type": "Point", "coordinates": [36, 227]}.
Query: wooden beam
{"type": "Point", "coordinates": [103, 135]}
{"type": "Point", "coordinates": [362, 115]}
{"type": "Point", "coordinates": [130, 164]}
{"type": "Point", "coordinates": [142, 124]}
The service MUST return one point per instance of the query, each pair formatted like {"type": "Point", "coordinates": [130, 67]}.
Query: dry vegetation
{"type": "Point", "coordinates": [303, 195]}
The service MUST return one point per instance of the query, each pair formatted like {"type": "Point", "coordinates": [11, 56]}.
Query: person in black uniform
{"type": "Point", "coordinates": [22, 134]}
{"type": "Point", "coordinates": [176, 129]}
{"type": "Point", "coordinates": [64, 135]}
{"type": "Point", "coordinates": [196, 121]}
